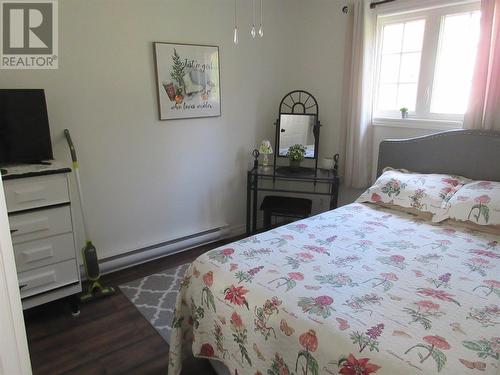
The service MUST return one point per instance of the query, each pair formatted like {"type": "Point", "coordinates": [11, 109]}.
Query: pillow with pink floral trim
{"type": "Point", "coordinates": [477, 202]}
{"type": "Point", "coordinates": [423, 192]}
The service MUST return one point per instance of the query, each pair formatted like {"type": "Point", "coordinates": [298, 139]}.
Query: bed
{"type": "Point", "coordinates": [362, 289]}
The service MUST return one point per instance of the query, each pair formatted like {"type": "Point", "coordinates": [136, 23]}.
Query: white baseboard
{"type": "Point", "coordinates": [153, 252]}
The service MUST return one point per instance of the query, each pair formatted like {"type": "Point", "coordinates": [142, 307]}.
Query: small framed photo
{"type": "Point", "coordinates": [188, 80]}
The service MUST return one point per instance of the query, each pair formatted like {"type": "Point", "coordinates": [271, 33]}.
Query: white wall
{"type": "Point", "coordinates": [147, 181]}
{"type": "Point", "coordinates": [322, 30]}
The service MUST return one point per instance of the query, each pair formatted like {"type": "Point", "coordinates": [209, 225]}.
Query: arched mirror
{"type": "Point", "coordinates": [298, 123]}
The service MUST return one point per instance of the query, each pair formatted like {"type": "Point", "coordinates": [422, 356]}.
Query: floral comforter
{"type": "Point", "coordinates": [356, 291]}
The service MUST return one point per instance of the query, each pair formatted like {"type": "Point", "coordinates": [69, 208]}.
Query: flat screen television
{"type": "Point", "coordinates": [24, 126]}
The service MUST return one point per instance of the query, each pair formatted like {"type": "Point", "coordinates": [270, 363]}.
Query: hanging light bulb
{"type": "Point", "coordinates": [253, 32]}
{"type": "Point", "coordinates": [235, 37]}
{"type": "Point", "coordinates": [261, 28]}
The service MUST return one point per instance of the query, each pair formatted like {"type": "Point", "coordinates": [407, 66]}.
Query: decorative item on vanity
{"type": "Point", "coordinates": [404, 112]}
{"type": "Point", "coordinates": [255, 154]}
{"type": "Point", "coordinates": [331, 163]}
{"type": "Point", "coordinates": [188, 81]}
{"type": "Point", "coordinates": [265, 150]}
{"type": "Point", "coordinates": [296, 154]}
{"type": "Point", "coordinates": [327, 163]}
{"type": "Point", "coordinates": [336, 159]}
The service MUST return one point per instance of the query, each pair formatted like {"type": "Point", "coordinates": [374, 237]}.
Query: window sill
{"type": "Point", "coordinates": [412, 123]}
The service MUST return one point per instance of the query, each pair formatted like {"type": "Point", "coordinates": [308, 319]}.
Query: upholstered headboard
{"type": "Point", "coordinates": [469, 153]}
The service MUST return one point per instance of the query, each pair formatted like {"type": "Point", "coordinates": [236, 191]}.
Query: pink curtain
{"type": "Point", "coordinates": [484, 103]}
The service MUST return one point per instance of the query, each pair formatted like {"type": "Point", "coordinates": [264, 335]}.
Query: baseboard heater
{"type": "Point", "coordinates": [149, 253]}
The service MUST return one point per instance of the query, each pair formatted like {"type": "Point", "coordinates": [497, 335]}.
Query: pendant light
{"type": "Point", "coordinates": [261, 28]}
{"type": "Point", "coordinates": [235, 38]}
{"type": "Point", "coordinates": [253, 33]}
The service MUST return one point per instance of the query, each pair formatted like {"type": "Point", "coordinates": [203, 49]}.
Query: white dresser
{"type": "Point", "coordinates": [39, 206]}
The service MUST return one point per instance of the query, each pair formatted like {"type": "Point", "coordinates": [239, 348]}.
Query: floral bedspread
{"type": "Point", "coordinates": [355, 291]}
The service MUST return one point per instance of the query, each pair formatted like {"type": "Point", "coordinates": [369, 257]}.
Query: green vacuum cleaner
{"type": "Point", "coordinates": [89, 253]}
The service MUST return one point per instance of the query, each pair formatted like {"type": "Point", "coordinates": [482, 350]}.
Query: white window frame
{"type": "Point", "coordinates": [422, 116]}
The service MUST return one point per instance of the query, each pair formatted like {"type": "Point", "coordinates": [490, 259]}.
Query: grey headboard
{"type": "Point", "coordinates": [469, 153]}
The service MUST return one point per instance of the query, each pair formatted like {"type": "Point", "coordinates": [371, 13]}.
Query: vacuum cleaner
{"type": "Point", "coordinates": [95, 289]}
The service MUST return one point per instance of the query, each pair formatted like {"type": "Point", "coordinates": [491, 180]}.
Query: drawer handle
{"type": "Point", "coordinates": [13, 231]}
{"type": "Point", "coordinates": [32, 225]}
{"type": "Point", "coordinates": [22, 286]}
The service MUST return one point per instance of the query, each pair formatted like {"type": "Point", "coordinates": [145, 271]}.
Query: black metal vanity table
{"type": "Point", "coordinates": [321, 182]}
{"type": "Point", "coordinates": [297, 125]}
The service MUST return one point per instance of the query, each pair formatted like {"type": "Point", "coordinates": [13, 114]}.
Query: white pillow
{"type": "Point", "coordinates": [424, 192]}
{"type": "Point", "coordinates": [477, 202]}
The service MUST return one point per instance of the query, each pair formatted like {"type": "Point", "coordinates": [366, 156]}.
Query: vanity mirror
{"type": "Point", "coordinates": [297, 129]}
{"type": "Point", "coordinates": [298, 124]}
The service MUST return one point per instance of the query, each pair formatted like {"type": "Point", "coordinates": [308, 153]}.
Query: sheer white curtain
{"type": "Point", "coordinates": [484, 103]}
{"type": "Point", "coordinates": [358, 107]}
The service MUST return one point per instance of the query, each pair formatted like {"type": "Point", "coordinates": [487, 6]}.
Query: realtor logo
{"type": "Point", "coordinates": [29, 34]}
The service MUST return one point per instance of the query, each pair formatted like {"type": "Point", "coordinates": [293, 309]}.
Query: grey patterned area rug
{"type": "Point", "coordinates": [155, 295]}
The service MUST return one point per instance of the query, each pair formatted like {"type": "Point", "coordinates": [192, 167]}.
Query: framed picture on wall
{"type": "Point", "coordinates": [188, 80]}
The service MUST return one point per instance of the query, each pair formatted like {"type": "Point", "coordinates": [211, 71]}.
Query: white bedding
{"type": "Point", "coordinates": [358, 290]}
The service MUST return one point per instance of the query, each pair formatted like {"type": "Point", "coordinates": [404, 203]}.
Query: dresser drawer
{"type": "Point", "coordinates": [40, 253]}
{"type": "Point", "coordinates": [40, 224]}
{"type": "Point", "coordinates": [47, 278]}
{"type": "Point", "coordinates": [33, 192]}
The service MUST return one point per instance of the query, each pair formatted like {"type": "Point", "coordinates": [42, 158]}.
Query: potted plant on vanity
{"type": "Point", "coordinates": [296, 154]}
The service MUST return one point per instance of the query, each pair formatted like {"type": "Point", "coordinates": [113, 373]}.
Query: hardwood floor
{"type": "Point", "coordinates": [110, 336]}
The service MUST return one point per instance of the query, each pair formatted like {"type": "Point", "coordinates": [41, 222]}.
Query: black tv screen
{"type": "Point", "coordinates": [24, 126]}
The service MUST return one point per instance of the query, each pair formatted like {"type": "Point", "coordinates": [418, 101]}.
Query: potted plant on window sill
{"type": "Point", "coordinates": [296, 154]}
{"type": "Point", "coordinates": [404, 112]}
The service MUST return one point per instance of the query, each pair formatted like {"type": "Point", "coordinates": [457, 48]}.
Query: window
{"type": "Point", "coordinates": [400, 64]}
{"type": "Point", "coordinates": [425, 62]}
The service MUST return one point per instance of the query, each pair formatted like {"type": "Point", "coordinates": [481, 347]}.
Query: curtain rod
{"type": "Point", "coordinates": [377, 3]}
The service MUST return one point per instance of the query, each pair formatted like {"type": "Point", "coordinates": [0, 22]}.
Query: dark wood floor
{"type": "Point", "coordinates": [110, 336]}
